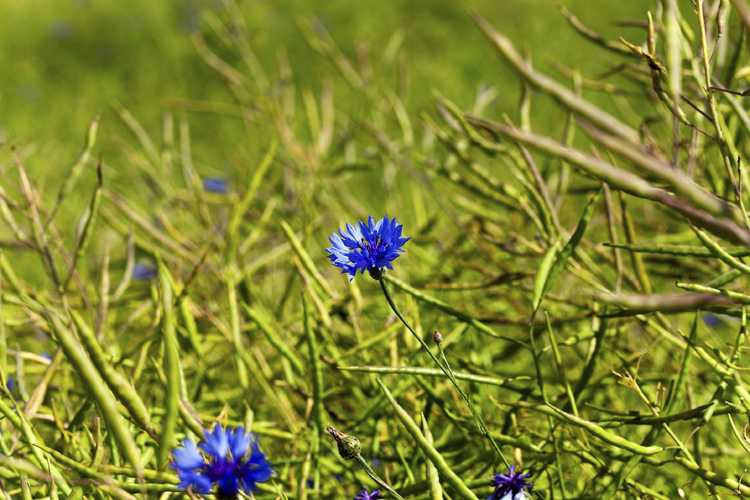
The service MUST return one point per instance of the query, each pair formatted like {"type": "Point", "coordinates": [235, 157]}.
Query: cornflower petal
{"type": "Point", "coordinates": [187, 456]}
{"type": "Point", "coordinates": [365, 495]}
{"type": "Point", "coordinates": [510, 486]}
{"type": "Point", "coordinates": [189, 463]}
{"type": "Point", "coordinates": [216, 442]}
{"type": "Point", "coordinates": [239, 441]}
{"type": "Point", "coordinates": [194, 481]}
{"type": "Point", "coordinates": [256, 470]}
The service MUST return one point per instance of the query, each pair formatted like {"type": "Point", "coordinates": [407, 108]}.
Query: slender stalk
{"type": "Point", "coordinates": [729, 160]}
{"type": "Point", "coordinates": [374, 476]}
{"type": "Point", "coordinates": [448, 373]}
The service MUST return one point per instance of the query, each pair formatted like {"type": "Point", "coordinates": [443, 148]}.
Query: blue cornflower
{"type": "Point", "coordinates": [510, 486]}
{"type": "Point", "coordinates": [364, 495]}
{"type": "Point", "coordinates": [369, 247]}
{"type": "Point", "coordinates": [215, 185]}
{"type": "Point", "coordinates": [229, 459]}
{"type": "Point", "coordinates": [711, 320]}
{"type": "Point", "coordinates": [143, 272]}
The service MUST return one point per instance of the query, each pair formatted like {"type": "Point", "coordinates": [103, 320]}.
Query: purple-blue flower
{"type": "Point", "coordinates": [143, 272]}
{"type": "Point", "coordinates": [228, 459]}
{"type": "Point", "coordinates": [711, 320]}
{"type": "Point", "coordinates": [365, 495]}
{"type": "Point", "coordinates": [370, 247]}
{"type": "Point", "coordinates": [510, 486]}
{"type": "Point", "coordinates": [215, 185]}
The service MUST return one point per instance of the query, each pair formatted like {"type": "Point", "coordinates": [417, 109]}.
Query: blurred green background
{"type": "Point", "coordinates": [66, 61]}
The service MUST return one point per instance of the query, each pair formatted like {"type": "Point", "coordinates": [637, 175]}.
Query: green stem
{"type": "Point", "coordinates": [448, 373]}
{"type": "Point", "coordinates": [370, 472]}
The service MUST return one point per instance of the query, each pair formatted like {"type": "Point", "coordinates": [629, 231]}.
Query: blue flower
{"type": "Point", "coordinates": [191, 467]}
{"type": "Point", "coordinates": [711, 320]}
{"type": "Point", "coordinates": [215, 185]}
{"type": "Point", "coordinates": [510, 486]}
{"type": "Point", "coordinates": [364, 495]}
{"type": "Point", "coordinates": [10, 383]}
{"type": "Point", "coordinates": [370, 247]}
{"type": "Point", "coordinates": [143, 272]}
{"type": "Point", "coordinates": [229, 459]}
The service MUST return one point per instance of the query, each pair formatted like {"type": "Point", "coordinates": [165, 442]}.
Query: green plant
{"type": "Point", "coordinates": [588, 288]}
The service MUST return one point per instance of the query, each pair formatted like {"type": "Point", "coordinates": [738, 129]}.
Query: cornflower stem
{"type": "Point", "coordinates": [444, 359]}
{"type": "Point", "coordinates": [445, 368]}
{"type": "Point", "coordinates": [371, 472]}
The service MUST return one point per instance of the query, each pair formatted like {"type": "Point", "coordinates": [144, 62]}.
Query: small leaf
{"type": "Point", "coordinates": [548, 272]}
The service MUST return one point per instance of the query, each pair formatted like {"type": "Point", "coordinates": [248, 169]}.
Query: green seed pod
{"type": "Point", "coordinates": [76, 494]}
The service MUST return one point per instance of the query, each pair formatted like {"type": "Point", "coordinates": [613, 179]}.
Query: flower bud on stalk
{"type": "Point", "coordinates": [348, 445]}
{"type": "Point", "coordinates": [437, 337]}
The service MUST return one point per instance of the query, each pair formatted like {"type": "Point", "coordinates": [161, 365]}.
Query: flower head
{"type": "Point", "coordinates": [711, 320]}
{"type": "Point", "coordinates": [143, 272]}
{"type": "Point", "coordinates": [215, 185]}
{"type": "Point", "coordinates": [510, 486]}
{"type": "Point", "coordinates": [370, 246]}
{"type": "Point", "coordinates": [229, 459]}
{"type": "Point", "coordinates": [365, 495]}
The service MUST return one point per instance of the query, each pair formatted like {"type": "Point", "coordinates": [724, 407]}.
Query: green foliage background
{"type": "Point", "coordinates": [68, 61]}
{"type": "Point", "coordinates": [247, 323]}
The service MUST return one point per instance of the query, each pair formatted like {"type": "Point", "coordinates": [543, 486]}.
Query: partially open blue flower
{"type": "Point", "coordinates": [510, 486]}
{"type": "Point", "coordinates": [365, 495]}
{"type": "Point", "coordinates": [370, 247]}
{"type": "Point", "coordinates": [228, 459]}
{"type": "Point", "coordinates": [215, 185]}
